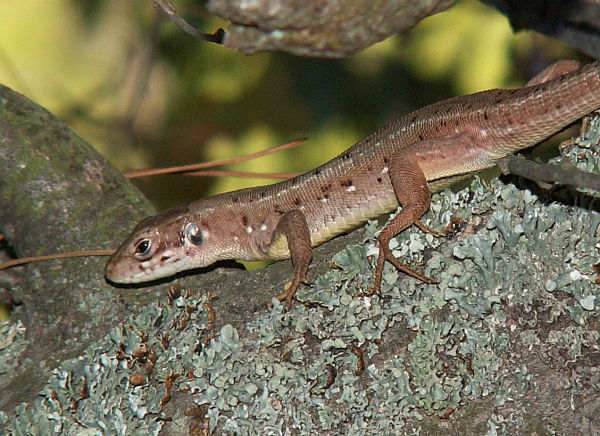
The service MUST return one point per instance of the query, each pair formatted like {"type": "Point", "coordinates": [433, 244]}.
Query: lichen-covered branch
{"type": "Point", "coordinates": [339, 28]}
{"type": "Point", "coordinates": [323, 28]}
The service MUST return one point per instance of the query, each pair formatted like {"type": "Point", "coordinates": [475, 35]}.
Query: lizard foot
{"type": "Point", "coordinates": [386, 254]}
{"type": "Point", "coordinates": [289, 292]}
{"type": "Point", "coordinates": [426, 229]}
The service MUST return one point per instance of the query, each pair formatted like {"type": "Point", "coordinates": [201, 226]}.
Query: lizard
{"type": "Point", "coordinates": [400, 164]}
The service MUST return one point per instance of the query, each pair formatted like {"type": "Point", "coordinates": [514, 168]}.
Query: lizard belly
{"type": "Point", "coordinates": [327, 223]}
{"type": "Point", "coordinates": [343, 222]}
{"type": "Point", "coordinates": [321, 232]}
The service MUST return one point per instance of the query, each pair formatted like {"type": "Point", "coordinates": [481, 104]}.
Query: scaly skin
{"type": "Point", "coordinates": [402, 163]}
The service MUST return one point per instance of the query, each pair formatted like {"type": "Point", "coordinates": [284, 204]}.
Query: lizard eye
{"type": "Point", "coordinates": [142, 248]}
{"type": "Point", "coordinates": [193, 234]}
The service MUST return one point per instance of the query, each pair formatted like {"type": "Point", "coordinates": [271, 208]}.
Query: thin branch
{"type": "Point", "coordinates": [548, 173]}
{"type": "Point", "coordinates": [24, 260]}
{"type": "Point", "coordinates": [193, 167]}
{"type": "Point", "coordinates": [246, 174]}
{"type": "Point", "coordinates": [167, 8]}
{"type": "Point", "coordinates": [140, 77]}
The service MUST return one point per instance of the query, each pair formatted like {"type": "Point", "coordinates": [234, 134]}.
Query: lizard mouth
{"type": "Point", "coordinates": [167, 264]}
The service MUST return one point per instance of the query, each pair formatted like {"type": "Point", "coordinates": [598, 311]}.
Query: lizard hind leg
{"type": "Point", "coordinates": [412, 192]}
{"type": "Point", "coordinates": [554, 71]}
{"type": "Point", "coordinates": [294, 228]}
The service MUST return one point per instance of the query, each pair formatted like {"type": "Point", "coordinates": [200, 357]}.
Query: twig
{"type": "Point", "coordinates": [244, 174]}
{"type": "Point", "coordinates": [24, 260]}
{"type": "Point", "coordinates": [194, 167]}
{"type": "Point", "coordinates": [140, 77]}
{"type": "Point", "coordinates": [167, 8]}
{"type": "Point", "coordinates": [548, 173]}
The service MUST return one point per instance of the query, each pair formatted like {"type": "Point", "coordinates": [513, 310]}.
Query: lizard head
{"type": "Point", "coordinates": [160, 246]}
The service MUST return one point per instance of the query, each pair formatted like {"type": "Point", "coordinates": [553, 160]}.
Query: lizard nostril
{"type": "Point", "coordinates": [108, 271]}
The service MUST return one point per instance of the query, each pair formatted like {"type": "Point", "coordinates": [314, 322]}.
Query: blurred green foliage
{"type": "Point", "coordinates": [146, 94]}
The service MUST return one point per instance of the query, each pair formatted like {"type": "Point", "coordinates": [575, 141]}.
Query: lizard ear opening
{"type": "Point", "coordinates": [193, 234]}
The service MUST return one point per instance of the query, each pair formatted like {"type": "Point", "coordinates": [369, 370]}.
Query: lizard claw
{"type": "Point", "coordinates": [289, 292]}
{"type": "Point", "coordinates": [368, 293]}
{"type": "Point", "coordinates": [432, 232]}
{"type": "Point", "coordinates": [386, 254]}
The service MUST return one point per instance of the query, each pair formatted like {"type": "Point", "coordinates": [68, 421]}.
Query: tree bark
{"type": "Point", "coordinates": [329, 28]}
{"type": "Point", "coordinates": [58, 195]}
{"type": "Point", "coordinates": [334, 28]}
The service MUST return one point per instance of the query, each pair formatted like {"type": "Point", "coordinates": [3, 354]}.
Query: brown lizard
{"type": "Point", "coordinates": [402, 163]}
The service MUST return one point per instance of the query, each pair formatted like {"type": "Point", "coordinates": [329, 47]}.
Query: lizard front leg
{"type": "Point", "coordinates": [293, 227]}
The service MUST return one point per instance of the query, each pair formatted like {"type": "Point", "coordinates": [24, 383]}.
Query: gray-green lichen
{"type": "Point", "coordinates": [516, 301]}
{"type": "Point", "coordinates": [12, 343]}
